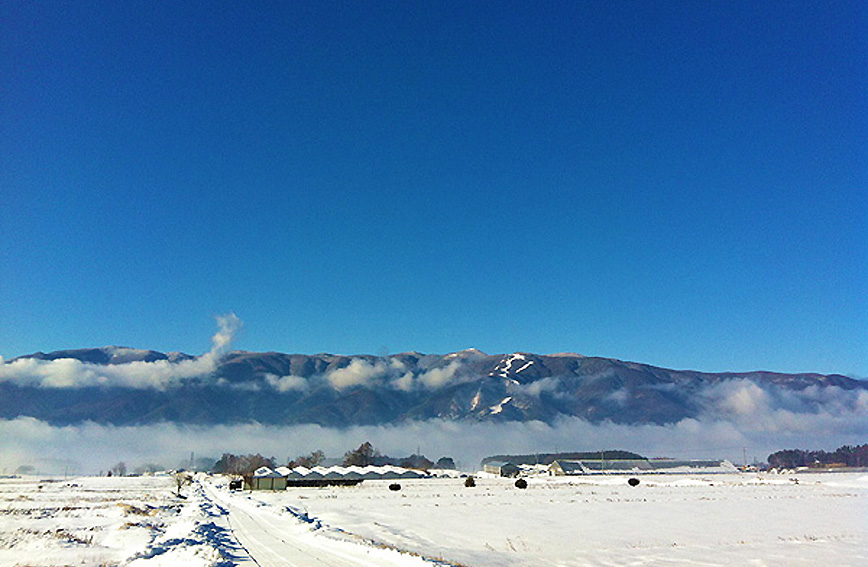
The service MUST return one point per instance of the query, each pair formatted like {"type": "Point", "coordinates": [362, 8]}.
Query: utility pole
{"type": "Point", "coordinates": [744, 457]}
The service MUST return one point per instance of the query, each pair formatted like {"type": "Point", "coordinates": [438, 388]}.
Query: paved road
{"type": "Point", "coordinates": [274, 539]}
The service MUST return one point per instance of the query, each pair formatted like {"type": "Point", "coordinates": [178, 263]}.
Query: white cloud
{"type": "Point", "coordinates": [228, 326]}
{"type": "Point", "coordinates": [439, 377]}
{"type": "Point", "coordinates": [404, 383]}
{"type": "Point", "coordinates": [775, 410]}
{"type": "Point", "coordinates": [358, 373]}
{"type": "Point", "coordinates": [160, 374]}
{"type": "Point", "coordinates": [286, 383]}
{"type": "Point", "coordinates": [535, 388]}
{"type": "Point", "coordinates": [742, 398]}
{"type": "Point", "coordinates": [861, 403]}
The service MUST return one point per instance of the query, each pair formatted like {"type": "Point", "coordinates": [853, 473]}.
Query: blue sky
{"type": "Point", "coordinates": [678, 183]}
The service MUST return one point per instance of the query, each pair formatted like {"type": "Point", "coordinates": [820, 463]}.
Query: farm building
{"type": "Point", "coordinates": [265, 479]}
{"type": "Point", "coordinates": [691, 466]}
{"type": "Point", "coordinates": [501, 468]}
{"type": "Point", "coordinates": [282, 477]}
{"type": "Point", "coordinates": [346, 476]}
{"type": "Point", "coordinates": [566, 468]}
{"type": "Point", "coordinates": [617, 466]}
{"type": "Point", "coordinates": [637, 466]}
{"type": "Point", "coordinates": [353, 473]}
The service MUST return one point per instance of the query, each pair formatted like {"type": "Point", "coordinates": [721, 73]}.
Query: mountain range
{"type": "Point", "coordinates": [125, 386]}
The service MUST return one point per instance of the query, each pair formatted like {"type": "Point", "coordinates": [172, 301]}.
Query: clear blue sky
{"type": "Point", "coordinates": [678, 183]}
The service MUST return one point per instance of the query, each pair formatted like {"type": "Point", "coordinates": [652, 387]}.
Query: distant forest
{"type": "Point", "coordinates": [846, 455]}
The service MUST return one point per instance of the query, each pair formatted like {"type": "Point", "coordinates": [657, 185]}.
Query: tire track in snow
{"type": "Point", "coordinates": [272, 540]}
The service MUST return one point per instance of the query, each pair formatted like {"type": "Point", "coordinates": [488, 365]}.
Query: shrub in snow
{"type": "Point", "coordinates": [521, 483]}
{"type": "Point", "coordinates": [395, 487]}
{"type": "Point", "coordinates": [633, 482]}
{"type": "Point", "coordinates": [470, 482]}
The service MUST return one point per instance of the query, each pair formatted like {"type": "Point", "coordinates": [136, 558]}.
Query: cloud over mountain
{"type": "Point", "coordinates": [123, 367]}
{"type": "Point", "coordinates": [465, 404]}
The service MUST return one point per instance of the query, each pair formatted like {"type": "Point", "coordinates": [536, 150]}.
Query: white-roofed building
{"type": "Point", "coordinates": [301, 476]}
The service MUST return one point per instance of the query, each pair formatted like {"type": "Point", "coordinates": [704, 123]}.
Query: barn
{"type": "Point", "coordinates": [501, 468]}
{"type": "Point", "coordinates": [265, 479]}
{"type": "Point", "coordinates": [566, 468]}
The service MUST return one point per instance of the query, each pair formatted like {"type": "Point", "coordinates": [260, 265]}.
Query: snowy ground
{"type": "Point", "coordinates": [98, 521]}
{"type": "Point", "coordinates": [667, 520]}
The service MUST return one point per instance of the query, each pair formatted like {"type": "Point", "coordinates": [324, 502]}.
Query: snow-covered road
{"type": "Point", "coordinates": [275, 537]}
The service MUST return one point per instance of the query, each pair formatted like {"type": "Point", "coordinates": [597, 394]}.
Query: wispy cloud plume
{"type": "Point", "coordinates": [227, 327]}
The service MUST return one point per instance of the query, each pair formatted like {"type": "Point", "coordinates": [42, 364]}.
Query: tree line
{"type": "Point", "coordinates": [366, 455]}
{"type": "Point", "coordinates": [362, 456]}
{"type": "Point", "coordinates": [846, 455]}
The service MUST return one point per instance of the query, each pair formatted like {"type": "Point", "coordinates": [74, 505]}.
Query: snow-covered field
{"type": "Point", "coordinates": [96, 521]}
{"type": "Point", "coordinates": [819, 519]}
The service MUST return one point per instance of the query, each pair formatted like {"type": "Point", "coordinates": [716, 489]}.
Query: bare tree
{"type": "Point", "coordinates": [362, 457]}
{"type": "Point", "coordinates": [309, 461]}
{"type": "Point", "coordinates": [119, 469]}
{"type": "Point", "coordinates": [181, 479]}
{"type": "Point", "coordinates": [242, 464]}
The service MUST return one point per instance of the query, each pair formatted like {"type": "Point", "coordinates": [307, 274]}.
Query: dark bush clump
{"type": "Point", "coordinates": [470, 482]}
{"type": "Point", "coordinates": [521, 483]}
{"type": "Point", "coordinates": [395, 487]}
{"type": "Point", "coordinates": [633, 482]}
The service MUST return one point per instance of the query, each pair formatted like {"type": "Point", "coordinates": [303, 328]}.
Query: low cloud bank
{"type": "Point", "coordinates": [392, 373]}
{"type": "Point", "coordinates": [160, 374]}
{"type": "Point", "coordinates": [774, 410]}
{"type": "Point", "coordinates": [163, 374]}
{"type": "Point", "coordinates": [89, 448]}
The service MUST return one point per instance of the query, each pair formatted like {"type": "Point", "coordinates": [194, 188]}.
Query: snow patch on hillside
{"type": "Point", "coordinates": [503, 367]}
{"type": "Point", "coordinates": [496, 409]}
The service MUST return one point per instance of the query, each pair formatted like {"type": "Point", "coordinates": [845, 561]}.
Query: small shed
{"type": "Point", "coordinates": [265, 479]}
{"type": "Point", "coordinates": [501, 468]}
